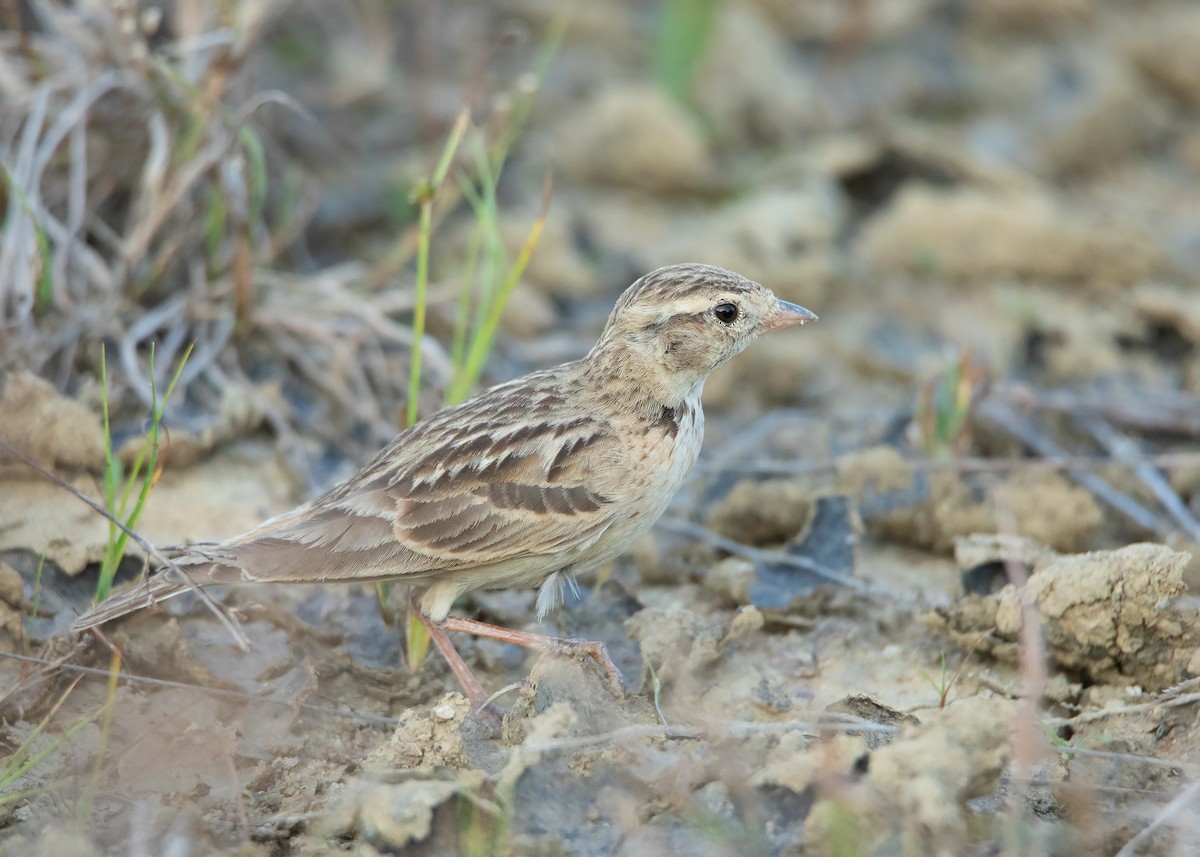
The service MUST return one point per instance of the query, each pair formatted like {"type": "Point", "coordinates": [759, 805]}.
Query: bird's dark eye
{"type": "Point", "coordinates": [726, 313]}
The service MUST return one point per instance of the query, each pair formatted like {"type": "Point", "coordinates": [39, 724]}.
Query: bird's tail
{"type": "Point", "coordinates": [166, 584]}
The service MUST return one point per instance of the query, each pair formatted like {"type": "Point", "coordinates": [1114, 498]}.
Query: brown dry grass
{"type": "Point", "coordinates": [146, 202]}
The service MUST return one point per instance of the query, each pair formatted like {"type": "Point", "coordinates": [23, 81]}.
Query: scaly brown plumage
{"type": "Point", "coordinates": [527, 484]}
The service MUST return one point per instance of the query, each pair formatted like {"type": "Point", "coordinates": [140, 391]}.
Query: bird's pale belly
{"type": "Point", "coordinates": [654, 481]}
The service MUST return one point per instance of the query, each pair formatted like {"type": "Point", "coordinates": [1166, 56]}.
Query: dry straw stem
{"type": "Point", "coordinates": [1166, 411]}
{"type": "Point", "coordinates": [1124, 710]}
{"type": "Point", "coordinates": [1029, 743]}
{"type": "Point", "coordinates": [138, 191]}
{"type": "Point", "coordinates": [87, 79]}
{"type": "Point", "coordinates": [717, 730]}
{"type": "Point", "coordinates": [345, 343]}
{"type": "Point", "coordinates": [1126, 451]}
{"type": "Point", "coordinates": [1183, 801]}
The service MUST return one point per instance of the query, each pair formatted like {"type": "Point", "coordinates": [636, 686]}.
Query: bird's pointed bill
{"type": "Point", "coordinates": [788, 315]}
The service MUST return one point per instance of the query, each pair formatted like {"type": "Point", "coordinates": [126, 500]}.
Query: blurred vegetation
{"type": "Point", "coordinates": [685, 29]}
{"type": "Point", "coordinates": [944, 407]}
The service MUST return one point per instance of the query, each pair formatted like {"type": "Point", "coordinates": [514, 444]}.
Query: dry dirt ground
{"type": "Point", "coordinates": [931, 590]}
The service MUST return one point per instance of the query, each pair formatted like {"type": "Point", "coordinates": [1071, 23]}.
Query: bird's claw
{"type": "Point", "coordinates": [598, 652]}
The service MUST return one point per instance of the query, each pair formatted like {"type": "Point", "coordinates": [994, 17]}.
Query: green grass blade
{"type": "Point", "coordinates": [426, 194]}
{"type": "Point", "coordinates": [417, 638]}
{"type": "Point", "coordinates": [414, 375]}
{"type": "Point", "coordinates": [257, 162]}
{"type": "Point", "coordinates": [36, 603]}
{"type": "Point", "coordinates": [143, 476]}
{"type": "Point", "coordinates": [462, 312]}
{"type": "Point", "coordinates": [45, 281]}
{"type": "Point", "coordinates": [684, 32]}
{"type": "Point", "coordinates": [457, 132]}
{"type": "Point", "coordinates": [157, 411]}
{"type": "Point", "coordinates": [482, 344]}
{"type": "Point", "coordinates": [44, 291]}
{"type": "Point", "coordinates": [112, 477]}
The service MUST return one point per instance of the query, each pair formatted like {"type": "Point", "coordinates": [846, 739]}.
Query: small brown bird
{"type": "Point", "coordinates": [528, 484]}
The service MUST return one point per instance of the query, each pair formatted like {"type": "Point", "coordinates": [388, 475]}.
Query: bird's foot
{"type": "Point", "coordinates": [597, 651]}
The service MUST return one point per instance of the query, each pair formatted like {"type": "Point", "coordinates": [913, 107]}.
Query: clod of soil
{"type": "Point", "coordinates": [976, 236]}
{"type": "Point", "coordinates": [761, 513]}
{"type": "Point", "coordinates": [12, 606]}
{"type": "Point", "coordinates": [426, 738]}
{"type": "Point", "coordinates": [932, 510]}
{"type": "Point", "coordinates": [394, 815]}
{"type": "Point", "coordinates": [731, 579]}
{"type": "Point", "coordinates": [1068, 339]}
{"type": "Point", "coordinates": [1105, 615]}
{"type": "Point", "coordinates": [675, 641]}
{"type": "Point", "coordinates": [39, 518]}
{"type": "Point", "coordinates": [1169, 306]}
{"type": "Point", "coordinates": [48, 427]}
{"type": "Point", "coordinates": [918, 786]}
{"type": "Point", "coordinates": [1167, 50]}
{"type": "Point", "coordinates": [866, 708]}
{"type": "Point", "coordinates": [582, 690]}
{"type": "Point", "coordinates": [635, 137]}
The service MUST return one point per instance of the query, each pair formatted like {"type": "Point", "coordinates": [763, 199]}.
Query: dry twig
{"type": "Point", "coordinates": [688, 528]}
{"type": "Point", "coordinates": [1127, 452]}
{"type": "Point", "coordinates": [1003, 417]}
{"type": "Point", "coordinates": [1182, 801]}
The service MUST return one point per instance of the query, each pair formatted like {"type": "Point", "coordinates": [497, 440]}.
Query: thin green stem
{"type": "Point", "coordinates": [36, 603]}
{"type": "Point", "coordinates": [462, 311]}
{"type": "Point", "coordinates": [426, 195]}
{"type": "Point", "coordinates": [482, 343]}
{"type": "Point", "coordinates": [414, 375]}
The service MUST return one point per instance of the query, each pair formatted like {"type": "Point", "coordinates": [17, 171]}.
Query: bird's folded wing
{"type": "Point", "coordinates": [452, 500]}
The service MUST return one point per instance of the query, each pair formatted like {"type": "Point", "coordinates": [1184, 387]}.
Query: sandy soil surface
{"type": "Point", "coordinates": [931, 590]}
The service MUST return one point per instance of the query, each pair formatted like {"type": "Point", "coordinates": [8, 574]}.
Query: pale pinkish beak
{"type": "Point", "coordinates": [787, 315]}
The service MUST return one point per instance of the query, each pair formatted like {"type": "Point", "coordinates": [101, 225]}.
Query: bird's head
{"type": "Point", "coordinates": [675, 326]}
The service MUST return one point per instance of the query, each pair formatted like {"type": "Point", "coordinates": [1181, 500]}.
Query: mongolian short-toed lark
{"type": "Point", "coordinates": [528, 483]}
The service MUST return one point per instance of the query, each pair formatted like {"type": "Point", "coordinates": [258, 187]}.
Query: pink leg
{"type": "Point", "coordinates": [597, 651]}
{"type": "Point", "coordinates": [458, 666]}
